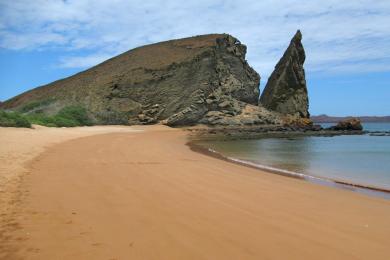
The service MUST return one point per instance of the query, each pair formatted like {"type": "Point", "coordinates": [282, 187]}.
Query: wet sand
{"type": "Point", "coordinates": [146, 195]}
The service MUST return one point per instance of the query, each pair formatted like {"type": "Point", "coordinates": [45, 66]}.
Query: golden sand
{"type": "Point", "coordinates": [146, 195]}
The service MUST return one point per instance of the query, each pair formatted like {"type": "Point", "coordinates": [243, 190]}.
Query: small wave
{"type": "Point", "coordinates": [268, 168]}
{"type": "Point", "coordinates": [320, 180]}
{"type": "Point", "coordinates": [277, 170]}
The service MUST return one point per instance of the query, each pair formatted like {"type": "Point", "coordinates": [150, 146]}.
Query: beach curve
{"type": "Point", "coordinates": [146, 195]}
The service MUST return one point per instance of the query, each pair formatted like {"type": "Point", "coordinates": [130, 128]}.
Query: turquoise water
{"type": "Point", "coordinates": [356, 159]}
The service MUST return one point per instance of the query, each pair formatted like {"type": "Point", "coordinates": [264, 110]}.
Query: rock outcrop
{"type": "Point", "coordinates": [197, 80]}
{"type": "Point", "coordinates": [178, 82]}
{"type": "Point", "coordinates": [286, 90]}
{"type": "Point", "coordinates": [348, 124]}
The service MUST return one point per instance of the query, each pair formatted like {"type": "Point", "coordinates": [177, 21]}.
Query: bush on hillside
{"type": "Point", "coordinates": [13, 119]}
{"type": "Point", "coordinates": [41, 119]}
{"type": "Point", "coordinates": [73, 114]}
{"type": "Point", "coordinates": [67, 117]}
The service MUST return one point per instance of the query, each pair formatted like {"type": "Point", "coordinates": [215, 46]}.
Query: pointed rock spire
{"type": "Point", "coordinates": [286, 90]}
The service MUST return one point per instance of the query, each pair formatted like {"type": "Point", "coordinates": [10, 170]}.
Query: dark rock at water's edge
{"type": "Point", "coordinates": [292, 127]}
{"type": "Point", "coordinates": [353, 124]}
{"type": "Point", "coordinates": [265, 131]}
{"type": "Point", "coordinates": [379, 133]}
{"type": "Point", "coordinates": [335, 119]}
{"type": "Point", "coordinates": [286, 90]}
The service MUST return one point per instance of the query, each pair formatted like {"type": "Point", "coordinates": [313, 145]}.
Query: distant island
{"type": "Point", "coordinates": [334, 119]}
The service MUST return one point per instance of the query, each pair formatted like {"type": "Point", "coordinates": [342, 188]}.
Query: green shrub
{"type": "Point", "coordinates": [13, 119]}
{"type": "Point", "coordinates": [67, 117]}
{"type": "Point", "coordinates": [41, 119]}
{"type": "Point", "coordinates": [73, 116]}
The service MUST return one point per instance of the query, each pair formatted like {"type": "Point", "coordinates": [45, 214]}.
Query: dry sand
{"type": "Point", "coordinates": [145, 195]}
{"type": "Point", "coordinates": [17, 147]}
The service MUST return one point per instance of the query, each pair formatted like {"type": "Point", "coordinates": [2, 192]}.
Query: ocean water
{"type": "Point", "coordinates": [355, 159]}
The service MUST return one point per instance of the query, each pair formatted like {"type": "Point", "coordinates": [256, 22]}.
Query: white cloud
{"type": "Point", "coordinates": [348, 35]}
{"type": "Point", "coordinates": [83, 61]}
{"type": "Point", "coordinates": [37, 39]}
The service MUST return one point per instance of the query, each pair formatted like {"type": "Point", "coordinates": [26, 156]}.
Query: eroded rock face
{"type": "Point", "coordinates": [286, 90]}
{"type": "Point", "coordinates": [230, 81]}
{"type": "Point", "coordinates": [249, 115]}
{"type": "Point", "coordinates": [176, 82]}
{"type": "Point", "coordinates": [198, 80]}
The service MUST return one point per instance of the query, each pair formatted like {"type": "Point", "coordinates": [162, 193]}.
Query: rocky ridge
{"type": "Point", "coordinates": [198, 80]}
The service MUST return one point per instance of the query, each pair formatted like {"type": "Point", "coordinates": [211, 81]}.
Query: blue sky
{"type": "Point", "coordinates": [347, 43]}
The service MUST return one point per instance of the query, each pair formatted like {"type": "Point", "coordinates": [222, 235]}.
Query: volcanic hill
{"type": "Point", "coordinates": [203, 79]}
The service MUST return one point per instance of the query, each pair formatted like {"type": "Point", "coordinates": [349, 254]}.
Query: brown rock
{"type": "Point", "coordinates": [348, 124]}
{"type": "Point", "coordinates": [167, 81]}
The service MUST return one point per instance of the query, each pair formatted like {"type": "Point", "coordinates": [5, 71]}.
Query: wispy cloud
{"type": "Point", "coordinates": [352, 36]}
{"type": "Point", "coordinates": [82, 61]}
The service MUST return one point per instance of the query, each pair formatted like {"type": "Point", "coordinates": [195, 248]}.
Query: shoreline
{"type": "Point", "coordinates": [355, 187]}
{"type": "Point", "coordinates": [119, 195]}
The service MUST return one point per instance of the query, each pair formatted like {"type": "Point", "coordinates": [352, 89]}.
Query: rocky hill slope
{"type": "Point", "coordinates": [203, 79]}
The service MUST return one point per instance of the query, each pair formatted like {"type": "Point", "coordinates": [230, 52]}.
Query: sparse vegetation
{"type": "Point", "coordinates": [67, 117]}
{"type": "Point", "coordinates": [35, 105]}
{"type": "Point", "coordinates": [13, 119]}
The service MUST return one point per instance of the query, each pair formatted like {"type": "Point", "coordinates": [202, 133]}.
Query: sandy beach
{"type": "Point", "coordinates": [111, 192]}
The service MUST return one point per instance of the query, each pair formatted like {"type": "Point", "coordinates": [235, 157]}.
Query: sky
{"type": "Point", "coordinates": [347, 43]}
